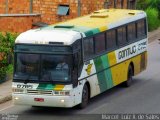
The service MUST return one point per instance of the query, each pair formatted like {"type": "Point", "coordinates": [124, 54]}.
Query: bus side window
{"type": "Point", "coordinates": [100, 43]}
{"type": "Point", "coordinates": [88, 47]}
{"type": "Point", "coordinates": [121, 38]}
{"type": "Point", "coordinates": [131, 32]}
{"type": "Point", "coordinates": [111, 39]}
{"type": "Point", "coordinates": [141, 28]}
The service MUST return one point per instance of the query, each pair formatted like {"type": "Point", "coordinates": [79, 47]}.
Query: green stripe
{"type": "Point", "coordinates": [104, 77]}
{"type": "Point", "coordinates": [101, 76]}
{"type": "Point", "coordinates": [95, 31]}
{"type": "Point", "coordinates": [108, 72]}
{"type": "Point", "coordinates": [45, 86]}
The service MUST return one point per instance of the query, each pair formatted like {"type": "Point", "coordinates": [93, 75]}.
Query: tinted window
{"type": "Point", "coordinates": [100, 43]}
{"type": "Point", "coordinates": [111, 39]}
{"type": "Point", "coordinates": [27, 66]}
{"type": "Point", "coordinates": [131, 32]}
{"type": "Point", "coordinates": [141, 28]}
{"type": "Point", "coordinates": [121, 32]}
{"type": "Point", "coordinates": [88, 47]}
{"type": "Point", "coordinates": [56, 67]}
{"type": "Point", "coordinates": [76, 45]}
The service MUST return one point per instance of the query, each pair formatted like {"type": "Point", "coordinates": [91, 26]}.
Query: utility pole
{"type": "Point", "coordinates": [6, 6]}
{"type": "Point", "coordinates": [115, 3]}
{"type": "Point", "coordinates": [31, 6]}
{"type": "Point", "coordinates": [79, 8]}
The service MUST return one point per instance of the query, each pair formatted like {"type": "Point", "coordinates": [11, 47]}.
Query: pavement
{"type": "Point", "coordinates": [154, 35]}
{"type": "Point", "coordinates": [6, 87]}
{"type": "Point", "coordinates": [5, 91]}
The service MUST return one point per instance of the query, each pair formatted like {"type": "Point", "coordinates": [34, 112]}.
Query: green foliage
{"type": "Point", "coordinates": [153, 21]}
{"type": "Point", "coordinates": [142, 4]}
{"type": "Point", "coordinates": [155, 4]}
{"type": "Point", "coordinates": [6, 53]}
{"type": "Point", "coordinates": [9, 69]}
{"type": "Point", "coordinates": [152, 8]}
{"type": "Point", "coordinates": [2, 73]}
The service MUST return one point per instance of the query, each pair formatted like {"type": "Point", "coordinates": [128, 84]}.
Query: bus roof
{"type": "Point", "coordinates": [69, 31]}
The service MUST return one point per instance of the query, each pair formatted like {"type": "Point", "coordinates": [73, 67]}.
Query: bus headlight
{"type": "Point", "coordinates": [62, 101]}
{"type": "Point", "coordinates": [62, 93]}
{"type": "Point", "coordinates": [16, 98]}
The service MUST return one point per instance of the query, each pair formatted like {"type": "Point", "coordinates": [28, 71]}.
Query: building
{"type": "Point", "coordinates": [21, 15]}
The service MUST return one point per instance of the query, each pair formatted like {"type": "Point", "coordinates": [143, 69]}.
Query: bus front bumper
{"type": "Point", "coordinates": [39, 100]}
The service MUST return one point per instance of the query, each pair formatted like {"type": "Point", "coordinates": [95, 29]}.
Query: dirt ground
{"type": "Point", "coordinates": [154, 35]}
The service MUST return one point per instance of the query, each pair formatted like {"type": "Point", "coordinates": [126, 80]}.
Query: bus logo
{"type": "Point", "coordinates": [88, 70]}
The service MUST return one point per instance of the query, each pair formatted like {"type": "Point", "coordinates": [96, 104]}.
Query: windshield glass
{"type": "Point", "coordinates": [56, 68]}
{"type": "Point", "coordinates": [27, 66]}
{"type": "Point", "coordinates": [43, 67]}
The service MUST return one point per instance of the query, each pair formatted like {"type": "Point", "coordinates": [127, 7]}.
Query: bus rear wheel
{"type": "Point", "coordinates": [85, 97]}
{"type": "Point", "coordinates": [129, 78]}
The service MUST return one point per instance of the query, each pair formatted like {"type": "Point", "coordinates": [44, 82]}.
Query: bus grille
{"type": "Point", "coordinates": [39, 92]}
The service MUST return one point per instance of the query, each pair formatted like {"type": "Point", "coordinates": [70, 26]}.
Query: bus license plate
{"type": "Point", "coordinates": [39, 99]}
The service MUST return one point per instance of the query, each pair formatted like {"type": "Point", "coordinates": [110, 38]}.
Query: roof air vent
{"type": "Point", "coordinates": [131, 13]}
{"type": "Point", "coordinates": [64, 26]}
{"type": "Point", "coordinates": [99, 16]}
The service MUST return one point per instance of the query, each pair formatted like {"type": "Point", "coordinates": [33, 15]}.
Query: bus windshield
{"type": "Point", "coordinates": [56, 67]}
{"type": "Point", "coordinates": [43, 67]}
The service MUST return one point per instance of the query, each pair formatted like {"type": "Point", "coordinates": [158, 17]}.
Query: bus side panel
{"type": "Point", "coordinates": [94, 85]}
{"type": "Point", "coordinates": [120, 71]}
{"type": "Point", "coordinates": [104, 73]}
{"type": "Point", "coordinates": [137, 62]}
{"type": "Point", "coordinates": [110, 73]}
{"type": "Point", "coordinates": [89, 74]}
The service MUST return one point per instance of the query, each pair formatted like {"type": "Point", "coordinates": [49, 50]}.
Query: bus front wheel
{"type": "Point", "coordinates": [85, 97]}
{"type": "Point", "coordinates": [129, 78]}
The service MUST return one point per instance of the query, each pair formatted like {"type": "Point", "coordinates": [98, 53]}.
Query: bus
{"type": "Point", "coordinates": [66, 64]}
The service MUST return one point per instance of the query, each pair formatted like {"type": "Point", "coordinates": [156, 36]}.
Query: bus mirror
{"type": "Point", "coordinates": [75, 60]}
{"type": "Point", "coordinates": [75, 78]}
{"type": "Point", "coordinates": [75, 70]}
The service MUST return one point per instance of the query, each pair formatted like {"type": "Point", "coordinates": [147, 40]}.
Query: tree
{"type": "Point", "coordinates": [6, 52]}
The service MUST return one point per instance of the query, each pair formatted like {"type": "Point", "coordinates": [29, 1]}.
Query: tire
{"type": "Point", "coordinates": [130, 77]}
{"type": "Point", "coordinates": [85, 97]}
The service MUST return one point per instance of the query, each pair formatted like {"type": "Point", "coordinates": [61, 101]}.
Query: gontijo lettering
{"type": "Point", "coordinates": [127, 52]}
{"type": "Point", "coordinates": [131, 50]}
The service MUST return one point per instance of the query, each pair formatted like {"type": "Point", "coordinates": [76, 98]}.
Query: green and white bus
{"type": "Point", "coordinates": [68, 63]}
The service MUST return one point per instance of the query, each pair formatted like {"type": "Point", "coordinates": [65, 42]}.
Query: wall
{"type": "Point", "coordinates": [2, 6]}
{"type": "Point", "coordinates": [48, 10]}
{"type": "Point", "coordinates": [18, 6]}
{"type": "Point", "coordinates": [17, 23]}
